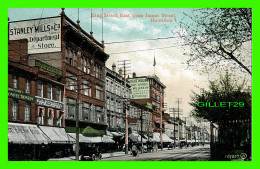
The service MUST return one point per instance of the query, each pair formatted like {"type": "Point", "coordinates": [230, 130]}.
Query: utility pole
{"type": "Point", "coordinates": [172, 110]}
{"type": "Point", "coordinates": [77, 119]}
{"type": "Point", "coordinates": [125, 100]}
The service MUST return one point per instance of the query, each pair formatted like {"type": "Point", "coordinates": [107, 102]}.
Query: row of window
{"type": "Point", "coordinates": [49, 91]}
{"type": "Point", "coordinates": [116, 88]}
{"type": "Point", "coordinates": [71, 59]}
{"type": "Point", "coordinates": [27, 111]}
{"type": "Point", "coordinates": [85, 86]}
{"type": "Point", "coordinates": [71, 107]}
{"type": "Point", "coordinates": [39, 89]}
{"type": "Point", "coordinates": [27, 84]}
{"type": "Point", "coordinates": [40, 112]}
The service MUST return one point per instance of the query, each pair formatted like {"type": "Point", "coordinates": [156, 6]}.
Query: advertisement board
{"type": "Point", "coordinates": [43, 34]}
{"type": "Point", "coordinates": [139, 88]}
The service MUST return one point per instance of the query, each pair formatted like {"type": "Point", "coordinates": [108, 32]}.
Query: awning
{"type": "Point", "coordinates": [26, 134]}
{"type": "Point", "coordinates": [107, 139]}
{"type": "Point", "coordinates": [57, 135]}
{"type": "Point", "coordinates": [135, 137]}
{"type": "Point", "coordinates": [83, 139]}
{"type": "Point", "coordinates": [165, 138]}
{"type": "Point", "coordinates": [117, 134]}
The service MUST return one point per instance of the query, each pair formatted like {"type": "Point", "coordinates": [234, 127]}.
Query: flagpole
{"type": "Point", "coordinates": [154, 63]}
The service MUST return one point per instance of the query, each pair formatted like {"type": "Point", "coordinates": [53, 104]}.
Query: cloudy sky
{"type": "Point", "coordinates": [140, 40]}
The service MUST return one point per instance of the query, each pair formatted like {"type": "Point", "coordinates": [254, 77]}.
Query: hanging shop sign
{"type": "Point", "coordinates": [43, 34]}
{"type": "Point", "coordinates": [48, 67]}
{"type": "Point", "coordinates": [139, 88]}
{"type": "Point", "coordinates": [132, 120]}
{"type": "Point", "coordinates": [18, 94]}
{"type": "Point", "coordinates": [49, 103]}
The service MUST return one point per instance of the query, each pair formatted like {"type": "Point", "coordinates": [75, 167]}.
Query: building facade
{"type": "Point", "coordinates": [150, 90]}
{"type": "Point", "coordinates": [64, 45]}
{"type": "Point", "coordinates": [115, 94]}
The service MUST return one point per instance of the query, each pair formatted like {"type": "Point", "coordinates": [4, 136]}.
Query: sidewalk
{"type": "Point", "coordinates": [104, 155]}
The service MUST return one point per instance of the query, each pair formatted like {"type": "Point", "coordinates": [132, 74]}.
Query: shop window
{"type": "Point", "coordinates": [15, 109]}
{"type": "Point", "coordinates": [27, 113]}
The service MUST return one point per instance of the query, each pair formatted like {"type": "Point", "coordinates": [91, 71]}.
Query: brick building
{"type": "Point", "coordinates": [35, 106]}
{"type": "Point", "coordinates": [64, 45]}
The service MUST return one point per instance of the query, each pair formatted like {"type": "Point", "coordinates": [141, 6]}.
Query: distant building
{"type": "Point", "coordinates": [149, 89]}
{"type": "Point", "coordinates": [115, 98]}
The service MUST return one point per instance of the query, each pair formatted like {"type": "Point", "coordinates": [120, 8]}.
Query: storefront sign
{"type": "Point", "coordinates": [49, 103]}
{"type": "Point", "coordinates": [48, 67]}
{"type": "Point", "coordinates": [20, 96]}
{"type": "Point", "coordinates": [139, 88]}
{"type": "Point", "coordinates": [15, 90]}
{"type": "Point", "coordinates": [43, 34]}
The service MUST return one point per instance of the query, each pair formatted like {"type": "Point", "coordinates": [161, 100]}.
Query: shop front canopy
{"type": "Point", "coordinates": [165, 138]}
{"type": "Point", "coordinates": [84, 139]}
{"type": "Point", "coordinates": [26, 134]}
{"type": "Point", "coordinates": [57, 135]}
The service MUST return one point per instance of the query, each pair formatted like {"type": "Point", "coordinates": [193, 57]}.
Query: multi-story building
{"type": "Point", "coordinates": [115, 95]}
{"type": "Point", "coordinates": [63, 44]}
{"type": "Point", "coordinates": [35, 106]}
{"type": "Point", "coordinates": [150, 90]}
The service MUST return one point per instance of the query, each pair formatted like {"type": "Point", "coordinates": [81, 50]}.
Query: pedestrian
{"type": "Point", "coordinates": [134, 150]}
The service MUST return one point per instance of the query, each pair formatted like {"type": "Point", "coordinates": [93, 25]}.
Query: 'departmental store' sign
{"type": "Point", "coordinates": [139, 88]}
{"type": "Point", "coordinates": [43, 34]}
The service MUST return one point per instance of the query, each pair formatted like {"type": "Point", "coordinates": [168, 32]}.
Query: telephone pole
{"type": "Point", "coordinates": [124, 63]}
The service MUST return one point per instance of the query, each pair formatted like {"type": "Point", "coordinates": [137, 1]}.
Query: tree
{"type": "Point", "coordinates": [218, 35]}
{"type": "Point", "coordinates": [234, 122]}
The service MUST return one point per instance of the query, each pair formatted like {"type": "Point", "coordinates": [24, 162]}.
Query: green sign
{"type": "Point", "coordinates": [139, 88]}
{"type": "Point", "coordinates": [149, 106]}
{"type": "Point", "coordinates": [15, 90]}
{"type": "Point", "coordinates": [48, 67]}
{"type": "Point", "coordinates": [20, 96]}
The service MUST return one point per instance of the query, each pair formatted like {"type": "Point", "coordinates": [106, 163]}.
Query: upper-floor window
{"type": "Point", "coordinates": [49, 91]}
{"type": "Point", "coordinates": [70, 58]}
{"type": "Point", "coordinates": [71, 81]}
{"type": "Point", "coordinates": [50, 117]}
{"type": "Point", "coordinates": [15, 82]}
{"type": "Point", "coordinates": [40, 90]}
{"type": "Point", "coordinates": [27, 113]}
{"type": "Point", "coordinates": [27, 86]}
{"type": "Point", "coordinates": [74, 59]}
{"type": "Point", "coordinates": [85, 111]}
{"type": "Point", "coordinates": [15, 110]}
{"type": "Point", "coordinates": [99, 92]}
{"type": "Point", "coordinates": [58, 94]}
{"type": "Point", "coordinates": [88, 66]}
{"type": "Point", "coordinates": [59, 117]}
{"type": "Point", "coordinates": [86, 89]}
{"type": "Point", "coordinates": [84, 64]}
{"type": "Point", "coordinates": [72, 108]}
{"type": "Point", "coordinates": [41, 114]}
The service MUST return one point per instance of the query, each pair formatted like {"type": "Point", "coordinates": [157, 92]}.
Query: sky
{"type": "Point", "coordinates": [132, 38]}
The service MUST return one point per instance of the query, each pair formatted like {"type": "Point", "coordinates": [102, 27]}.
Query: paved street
{"type": "Point", "coordinates": [198, 153]}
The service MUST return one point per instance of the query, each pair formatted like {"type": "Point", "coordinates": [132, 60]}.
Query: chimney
{"type": "Point", "coordinates": [120, 72]}
{"type": "Point", "coordinates": [114, 67]}
{"type": "Point", "coordinates": [134, 74]}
